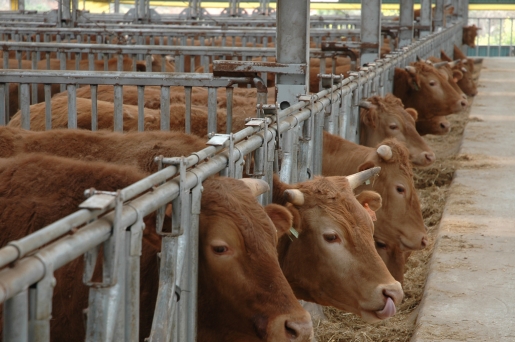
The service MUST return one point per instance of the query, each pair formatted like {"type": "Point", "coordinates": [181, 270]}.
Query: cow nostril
{"type": "Point", "coordinates": [423, 243]}
{"type": "Point", "coordinates": [430, 156]}
{"type": "Point", "coordinates": [299, 329]}
{"type": "Point", "coordinates": [290, 330]}
{"type": "Point", "coordinates": [444, 125]}
{"type": "Point", "coordinates": [464, 103]}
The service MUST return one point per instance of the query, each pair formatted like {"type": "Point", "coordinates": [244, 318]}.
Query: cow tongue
{"type": "Point", "coordinates": [388, 310]}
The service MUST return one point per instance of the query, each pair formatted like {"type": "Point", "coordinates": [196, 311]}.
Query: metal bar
{"type": "Point", "coordinates": [25, 105]}
{"type": "Point", "coordinates": [16, 317]}
{"type": "Point", "coordinates": [48, 106]}
{"type": "Point", "coordinates": [370, 30]}
{"type": "Point", "coordinates": [211, 110]}
{"type": "Point", "coordinates": [229, 102]}
{"type": "Point", "coordinates": [132, 285]}
{"type": "Point", "coordinates": [94, 107]}
{"type": "Point", "coordinates": [187, 101]}
{"type": "Point", "coordinates": [165, 108]}
{"type": "Point", "coordinates": [406, 23]}
{"type": "Point", "coordinates": [292, 47]}
{"type": "Point", "coordinates": [72, 106]}
{"type": "Point", "coordinates": [141, 109]}
{"type": "Point", "coordinates": [118, 108]}
{"type": "Point", "coordinates": [425, 17]}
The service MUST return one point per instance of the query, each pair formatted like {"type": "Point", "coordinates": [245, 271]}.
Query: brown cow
{"type": "Point", "coordinates": [236, 234]}
{"type": "Point", "coordinates": [469, 62]}
{"type": "Point", "coordinates": [423, 87]}
{"type": "Point", "coordinates": [463, 77]}
{"type": "Point", "coordinates": [393, 256]}
{"type": "Point", "coordinates": [453, 75]}
{"type": "Point", "coordinates": [152, 117]}
{"type": "Point", "coordinates": [331, 224]}
{"type": "Point", "coordinates": [439, 125]}
{"type": "Point", "coordinates": [137, 149]}
{"type": "Point", "coordinates": [385, 117]}
{"type": "Point", "coordinates": [469, 35]}
{"type": "Point", "coordinates": [400, 215]}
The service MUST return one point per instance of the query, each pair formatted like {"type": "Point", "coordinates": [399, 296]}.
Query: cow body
{"type": "Point", "coordinates": [385, 118]}
{"type": "Point", "coordinates": [236, 236]}
{"type": "Point", "coordinates": [137, 149]}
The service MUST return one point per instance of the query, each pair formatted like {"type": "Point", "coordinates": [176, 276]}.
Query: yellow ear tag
{"type": "Point", "coordinates": [294, 232]}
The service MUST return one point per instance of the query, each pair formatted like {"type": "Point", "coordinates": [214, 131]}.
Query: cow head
{"type": "Point", "coordinates": [385, 117]}
{"type": "Point", "coordinates": [243, 294]}
{"type": "Point", "coordinates": [439, 125]}
{"type": "Point", "coordinates": [393, 256]}
{"type": "Point", "coordinates": [330, 258]}
{"type": "Point", "coordinates": [469, 62]}
{"type": "Point", "coordinates": [400, 216]}
{"type": "Point", "coordinates": [469, 35]}
{"type": "Point", "coordinates": [425, 88]}
{"type": "Point", "coordinates": [466, 81]}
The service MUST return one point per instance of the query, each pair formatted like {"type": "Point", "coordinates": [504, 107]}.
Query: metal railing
{"type": "Point", "coordinates": [287, 141]}
{"type": "Point", "coordinates": [495, 39]}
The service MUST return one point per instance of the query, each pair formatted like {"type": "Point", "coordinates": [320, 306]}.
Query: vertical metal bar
{"type": "Point", "coordinates": [48, 106]}
{"type": "Point", "coordinates": [286, 163]}
{"type": "Point", "coordinates": [94, 107]}
{"type": "Point", "coordinates": [211, 110]}
{"type": "Point", "coordinates": [34, 86]}
{"type": "Point", "coordinates": [229, 97]}
{"type": "Point", "coordinates": [72, 106]}
{"type": "Point", "coordinates": [16, 318]}
{"type": "Point", "coordinates": [165, 108]}
{"type": "Point", "coordinates": [425, 17]}
{"type": "Point", "coordinates": [118, 108]}
{"type": "Point", "coordinates": [406, 23]}
{"type": "Point", "coordinates": [4, 114]}
{"type": "Point", "coordinates": [132, 281]}
{"type": "Point", "coordinates": [438, 17]}
{"type": "Point", "coordinates": [187, 97]}
{"type": "Point", "coordinates": [370, 30]}
{"type": "Point", "coordinates": [318, 143]}
{"type": "Point", "coordinates": [464, 11]}
{"type": "Point", "coordinates": [292, 47]}
{"type": "Point", "coordinates": [39, 323]}
{"type": "Point", "coordinates": [25, 105]}
{"type": "Point", "coordinates": [141, 108]}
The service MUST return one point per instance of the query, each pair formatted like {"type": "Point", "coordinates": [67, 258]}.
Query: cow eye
{"type": "Point", "coordinates": [380, 245]}
{"type": "Point", "coordinates": [432, 83]}
{"type": "Point", "coordinates": [331, 237]}
{"type": "Point", "coordinates": [393, 126]}
{"type": "Point", "coordinates": [400, 189]}
{"type": "Point", "coordinates": [220, 249]}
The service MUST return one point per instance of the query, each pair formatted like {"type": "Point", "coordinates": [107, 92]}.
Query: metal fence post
{"type": "Point", "coordinates": [425, 17]}
{"type": "Point", "coordinates": [406, 23]}
{"type": "Point", "coordinates": [438, 18]}
{"type": "Point", "coordinates": [16, 317]}
{"type": "Point", "coordinates": [370, 30]}
{"type": "Point", "coordinates": [292, 47]}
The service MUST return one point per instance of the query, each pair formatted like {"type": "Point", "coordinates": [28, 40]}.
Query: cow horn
{"type": "Point", "coordinates": [440, 64]}
{"type": "Point", "coordinates": [464, 60]}
{"type": "Point", "coordinates": [411, 69]}
{"type": "Point", "coordinates": [463, 69]}
{"type": "Point", "coordinates": [365, 104]}
{"type": "Point", "coordinates": [454, 63]}
{"type": "Point", "coordinates": [294, 196]}
{"type": "Point", "coordinates": [359, 178]}
{"type": "Point", "coordinates": [256, 186]}
{"type": "Point", "coordinates": [385, 152]}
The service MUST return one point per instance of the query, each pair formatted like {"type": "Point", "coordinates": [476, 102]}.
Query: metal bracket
{"type": "Point", "coordinates": [220, 140]}
{"type": "Point", "coordinates": [111, 247]}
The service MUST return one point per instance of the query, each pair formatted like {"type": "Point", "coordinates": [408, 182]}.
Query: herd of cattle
{"type": "Point", "coordinates": [351, 241]}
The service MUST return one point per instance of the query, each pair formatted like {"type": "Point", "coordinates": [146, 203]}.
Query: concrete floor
{"type": "Point", "coordinates": [470, 290]}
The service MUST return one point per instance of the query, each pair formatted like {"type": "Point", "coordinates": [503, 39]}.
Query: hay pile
{"type": "Point", "coordinates": [433, 185]}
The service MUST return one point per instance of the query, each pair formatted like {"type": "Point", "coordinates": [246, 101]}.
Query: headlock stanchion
{"type": "Point", "coordinates": [284, 137]}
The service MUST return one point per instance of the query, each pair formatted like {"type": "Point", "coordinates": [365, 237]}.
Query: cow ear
{"type": "Point", "coordinates": [371, 201]}
{"type": "Point", "coordinates": [413, 112]}
{"type": "Point", "coordinates": [369, 116]}
{"type": "Point", "coordinates": [457, 75]}
{"type": "Point", "coordinates": [366, 165]}
{"type": "Point", "coordinates": [281, 217]}
{"type": "Point", "coordinates": [445, 57]}
{"type": "Point", "coordinates": [140, 66]}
